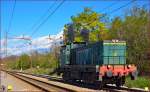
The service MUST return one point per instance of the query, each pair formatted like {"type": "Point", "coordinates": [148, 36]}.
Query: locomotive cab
{"type": "Point", "coordinates": [115, 68]}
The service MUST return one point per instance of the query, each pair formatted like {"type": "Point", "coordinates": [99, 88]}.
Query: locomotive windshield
{"type": "Point", "coordinates": [114, 52]}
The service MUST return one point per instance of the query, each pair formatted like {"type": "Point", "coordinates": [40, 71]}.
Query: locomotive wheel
{"type": "Point", "coordinates": [66, 76]}
{"type": "Point", "coordinates": [123, 80]}
{"type": "Point", "coordinates": [100, 84]}
{"type": "Point", "coordinates": [63, 76]}
{"type": "Point", "coordinates": [120, 81]}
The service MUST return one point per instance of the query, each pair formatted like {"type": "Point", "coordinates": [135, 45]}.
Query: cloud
{"type": "Point", "coordinates": [17, 47]}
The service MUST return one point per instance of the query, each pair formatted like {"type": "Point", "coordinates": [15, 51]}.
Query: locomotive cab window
{"type": "Point", "coordinates": [114, 52]}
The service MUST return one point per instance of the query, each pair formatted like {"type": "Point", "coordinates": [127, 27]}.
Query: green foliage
{"type": "Point", "coordinates": [24, 61]}
{"type": "Point", "coordinates": [43, 61]}
{"type": "Point", "coordinates": [133, 28]}
{"type": "Point", "coordinates": [115, 28]}
{"type": "Point", "coordinates": [140, 82]}
{"type": "Point", "coordinates": [38, 70]}
{"type": "Point", "coordinates": [89, 21]}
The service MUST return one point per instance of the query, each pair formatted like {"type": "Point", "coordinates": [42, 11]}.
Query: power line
{"type": "Point", "coordinates": [48, 10]}
{"type": "Point", "coordinates": [109, 6]}
{"type": "Point", "coordinates": [45, 20]}
{"type": "Point", "coordinates": [9, 26]}
{"type": "Point", "coordinates": [56, 9]}
{"type": "Point", "coordinates": [122, 6]}
{"type": "Point", "coordinates": [11, 18]}
{"type": "Point", "coordinates": [115, 10]}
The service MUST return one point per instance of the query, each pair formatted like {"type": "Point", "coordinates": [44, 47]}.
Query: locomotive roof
{"type": "Point", "coordinates": [105, 41]}
{"type": "Point", "coordinates": [74, 43]}
{"type": "Point", "coordinates": [119, 41]}
{"type": "Point", "coordinates": [114, 42]}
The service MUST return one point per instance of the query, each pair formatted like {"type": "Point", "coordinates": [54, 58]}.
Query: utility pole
{"type": "Point", "coordinates": [0, 51]}
{"type": "Point", "coordinates": [5, 43]}
{"type": "Point", "coordinates": [26, 39]}
{"type": "Point", "coordinates": [149, 19]}
{"type": "Point", "coordinates": [5, 53]}
{"type": "Point", "coordinates": [49, 39]}
{"type": "Point", "coordinates": [54, 40]}
{"type": "Point", "coordinates": [30, 44]}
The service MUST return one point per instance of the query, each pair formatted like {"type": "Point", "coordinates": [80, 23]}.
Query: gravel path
{"type": "Point", "coordinates": [16, 84]}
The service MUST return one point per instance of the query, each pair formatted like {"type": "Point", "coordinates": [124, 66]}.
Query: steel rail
{"type": "Point", "coordinates": [123, 89]}
{"type": "Point", "coordinates": [107, 88]}
{"type": "Point", "coordinates": [40, 84]}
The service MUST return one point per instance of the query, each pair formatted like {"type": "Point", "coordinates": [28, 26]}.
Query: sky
{"type": "Point", "coordinates": [29, 12]}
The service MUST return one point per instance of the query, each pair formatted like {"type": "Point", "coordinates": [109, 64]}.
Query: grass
{"type": "Point", "coordinates": [140, 82]}
{"type": "Point", "coordinates": [38, 71]}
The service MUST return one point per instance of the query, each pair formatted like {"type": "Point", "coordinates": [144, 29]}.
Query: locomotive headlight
{"type": "Point", "coordinates": [108, 66]}
{"type": "Point", "coordinates": [117, 41]}
{"type": "Point", "coordinates": [129, 66]}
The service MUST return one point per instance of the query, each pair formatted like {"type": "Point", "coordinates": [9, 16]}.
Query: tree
{"type": "Point", "coordinates": [69, 33]}
{"type": "Point", "coordinates": [133, 28]}
{"type": "Point", "coordinates": [24, 62]}
{"type": "Point", "coordinates": [86, 26]}
{"type": "Point", "coordinates": [116, 28]}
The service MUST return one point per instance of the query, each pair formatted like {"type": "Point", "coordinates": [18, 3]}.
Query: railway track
{"type": "Point", "coordinates": [45, 85]}
{"type": "Point", "coordinates": [108, 88]}
{"type": "Point", "coordinates": [49, 87]}
{"type": "Point", "coordinates": [123, 89]}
